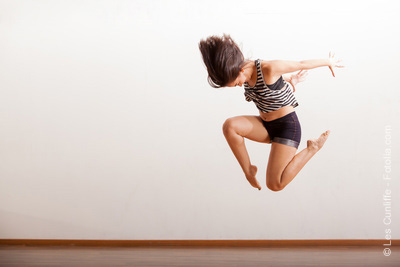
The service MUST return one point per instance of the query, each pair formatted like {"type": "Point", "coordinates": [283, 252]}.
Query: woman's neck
{"type": "Point", "coordinates": [249, 70]}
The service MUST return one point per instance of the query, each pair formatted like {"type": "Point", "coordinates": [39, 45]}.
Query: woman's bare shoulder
{"type": "Point", "coordinates": [269, 77]}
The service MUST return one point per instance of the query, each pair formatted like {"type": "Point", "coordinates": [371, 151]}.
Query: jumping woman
{"type": "Point", "coordinates": [269, 85]}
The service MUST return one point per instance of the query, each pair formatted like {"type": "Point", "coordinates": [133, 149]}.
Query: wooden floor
{"type": "Point", "coordinates": [197, 256]}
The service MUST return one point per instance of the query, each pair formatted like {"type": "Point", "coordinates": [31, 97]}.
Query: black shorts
{"type": "Point", "coordinates": [285, 130]}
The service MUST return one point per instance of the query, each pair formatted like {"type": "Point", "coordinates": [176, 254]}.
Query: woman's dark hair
{"type": "Point", "coordinates": [223, 59]}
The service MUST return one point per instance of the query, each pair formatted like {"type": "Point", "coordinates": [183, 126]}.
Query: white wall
{"type": "Point", "coordinates": [109, 129]}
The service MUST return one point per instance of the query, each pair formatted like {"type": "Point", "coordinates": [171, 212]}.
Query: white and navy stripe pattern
{"type": "Point", "coordinates": [266, 99]}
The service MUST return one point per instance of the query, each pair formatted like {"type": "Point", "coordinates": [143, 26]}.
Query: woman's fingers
{"type": "Point", "coordinates": [340, 66]}
{"type": "Point", "coordinates": [302, 72]}
{"type": "Point", "coordinates": [332, 71]}
{"type": "Point", "coordinates": [333, 62]}
{"type": "Point", "coordinates": [301, 76]}
{"type": "Point", "coordinates": [305, 73]}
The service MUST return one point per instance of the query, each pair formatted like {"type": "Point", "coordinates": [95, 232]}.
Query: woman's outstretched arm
{"type": "Point", "coordinates": [280, 67]}
{"type": "Point", "coordinates": [314, 63]}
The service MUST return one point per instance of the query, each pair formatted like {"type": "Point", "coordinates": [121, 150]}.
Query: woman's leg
{"type": "Point", "coordinates": [250, 127]}
{"type": "Point", "coordinates": [284, 165]}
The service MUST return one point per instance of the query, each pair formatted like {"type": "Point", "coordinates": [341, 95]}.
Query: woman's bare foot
{"type": "Point", "coordinates": [315, 145]}
{"type": "Point", "coordinates": [251, 177]}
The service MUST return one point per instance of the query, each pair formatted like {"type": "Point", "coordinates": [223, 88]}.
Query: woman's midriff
{"type": "Point", "coordinates": [276, 114]}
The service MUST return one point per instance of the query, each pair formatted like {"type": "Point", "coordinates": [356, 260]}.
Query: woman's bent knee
{"type": "Point", "coordinates": [228, 125]}
{"type": "Point", "coordinates": [275, 186]}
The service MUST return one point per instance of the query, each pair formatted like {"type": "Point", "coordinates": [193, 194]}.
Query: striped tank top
{"type": "Point", "coordinates": [267, 99]}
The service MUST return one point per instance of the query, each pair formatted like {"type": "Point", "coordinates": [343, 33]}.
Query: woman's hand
{"type": "Point", "coordinates": [333, 63]}
{"type": "Point", "coordinates": [299, 77]}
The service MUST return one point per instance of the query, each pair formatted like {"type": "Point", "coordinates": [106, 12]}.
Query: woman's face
{"type": "Point", "coordinates": [239, 80]}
